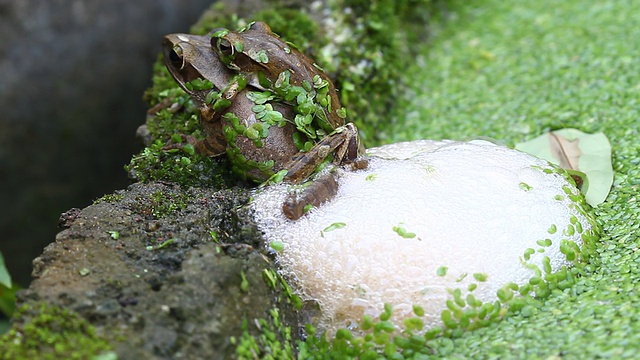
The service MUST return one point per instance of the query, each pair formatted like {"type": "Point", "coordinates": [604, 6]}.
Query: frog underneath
{"type": "Point", "coordinates": [255, 124]}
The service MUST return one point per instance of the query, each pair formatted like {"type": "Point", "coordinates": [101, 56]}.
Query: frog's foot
{"type": "Point", "coordinates": [315, 192]}
{"type": "Point", "coordinates": [343, 143]}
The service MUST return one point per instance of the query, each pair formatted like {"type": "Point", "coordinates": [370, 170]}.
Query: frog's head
{"type": "Point", "coordinates": [190, 57]}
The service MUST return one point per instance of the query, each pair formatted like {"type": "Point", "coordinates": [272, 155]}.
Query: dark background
{"type": "Point", "coordinates": [72, 75]}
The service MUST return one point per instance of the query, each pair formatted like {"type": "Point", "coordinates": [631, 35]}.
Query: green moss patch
{"type": "Point", "coordinates": [50, 332]}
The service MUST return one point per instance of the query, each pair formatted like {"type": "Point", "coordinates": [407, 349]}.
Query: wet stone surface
{"type": "Point", "coordinates": [183, 300]}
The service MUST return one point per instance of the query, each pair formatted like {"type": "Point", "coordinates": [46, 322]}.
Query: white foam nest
{"type": "Point", "coordinates": [474, 207]}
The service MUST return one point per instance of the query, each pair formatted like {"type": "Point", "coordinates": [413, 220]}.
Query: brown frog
{"type": "Point", "coordinates": [190, 57]}
{"type": "Point", "coordinates": [256, 127]}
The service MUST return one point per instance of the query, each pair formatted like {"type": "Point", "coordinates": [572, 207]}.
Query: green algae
{"type": "Point", "coordinates": [511, 71]}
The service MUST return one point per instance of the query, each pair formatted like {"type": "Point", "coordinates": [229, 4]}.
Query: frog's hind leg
{"type": "Point", "coordinates": [342, 143]}
{"type": "Point", "coordinates": [208, 146]}
{"type": "Point", "coordinates": [318, 191]}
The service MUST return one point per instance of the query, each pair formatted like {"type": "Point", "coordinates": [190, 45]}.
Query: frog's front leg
{"type": "Point", "coordinates": [346, 149]}
{"type": "Point", "coordinates": [214, 143]}
{"type": "Point", "coordinates": [212, 105]}
{"type": "Point", "coordinates": [214, 102]}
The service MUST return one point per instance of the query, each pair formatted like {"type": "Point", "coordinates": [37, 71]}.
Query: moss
{"type": "Point", "coordinates": [50, 332]}
{"type": "Point", "coordinates": [155, 163]}
{"type": "Point", "coordinates": [295, 26]}
{"type": "Point", "coordinates": [159, 204]}
{"type": "Point", "coordinates": [371, 47]}
{"type": "Point", "coordinates": [110, 198]}
{"type": "Point", "coordinates": [274, 341]}
{"type": "Point", "coordinates": [271, 338]}
{"type": "Point", "coordinates": [217, 16]}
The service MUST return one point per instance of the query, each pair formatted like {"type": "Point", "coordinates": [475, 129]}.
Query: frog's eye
{"type": "Point", "coordinates": [176, 57]}
{"type": "Point", "coordinates": [225, 47]}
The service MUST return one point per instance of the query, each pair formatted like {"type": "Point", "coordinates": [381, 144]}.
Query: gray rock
{"type": "Point", "coordinates": [184, 300]}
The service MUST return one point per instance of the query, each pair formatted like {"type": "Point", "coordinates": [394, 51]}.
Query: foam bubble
{"type": "Point", "coordinates": [474, 207]}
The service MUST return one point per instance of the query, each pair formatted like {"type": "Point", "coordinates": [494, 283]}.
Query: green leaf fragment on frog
{"type": "Point", "coordinates": [260, 97]}
{"type": "Point", "coordinates": [251, 133]}
{"type": "Point", "coordinates": [266, 165]}
{"type": "Point", "coordinates": [319, 82]}
{"type": "Point", "coordinates": [283, 80]}
{"type": "Point", "coordinates": [211, 97]}
{"type": "Point", "coordinates": [221, 104]}
{"type": "Point", "coordinates": [259, 56]}
{"type": "Point", "coordinates": [575, 150]}
{"type": "Point", "coordinates": [473, 218]}
{"type": "Point", "coordinates": [199, 84]}
{"type": "Point", "coordinates": [220, 33]}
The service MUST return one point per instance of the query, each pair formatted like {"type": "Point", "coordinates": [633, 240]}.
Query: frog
{"type": "Point", "coordinates": [261, 147]}
{"type": "Point", "coordinates": [189, 58]}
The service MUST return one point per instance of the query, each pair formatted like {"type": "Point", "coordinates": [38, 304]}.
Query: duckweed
{"type": "Point", "coordinates": [334, 226]}
{"type": "Point", "coordinates": [545, 73]}
{"type": "Point", "coordinates": [468, 89]}
{"type": "Point", "coordinates": [525, 186]}
{"type": "Point", "coordinates": [442, 271]}
{"type": "Point", "coordinates": [547, 317]}
{"type": "Point", "coordinates": [402, 231]}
